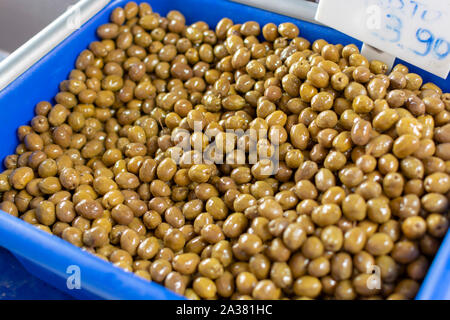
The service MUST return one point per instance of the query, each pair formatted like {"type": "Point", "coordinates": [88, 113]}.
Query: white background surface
{"type": "Point", "coordinates": [47, 38]}
{"type": "Point", "coordinates": [22, 19]}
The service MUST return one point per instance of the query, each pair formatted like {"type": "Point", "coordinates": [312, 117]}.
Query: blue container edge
{"type": "Point", "coordinates": [39, 251]}
{"type": "Point", "coordinates": [433, 286]}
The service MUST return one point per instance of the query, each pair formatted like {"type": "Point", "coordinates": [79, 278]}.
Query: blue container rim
{"type": "Point", "coordinates": [55, 254]}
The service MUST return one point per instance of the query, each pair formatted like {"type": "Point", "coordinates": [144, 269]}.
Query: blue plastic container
{"type": "Point", "coordinates": [49, 257]}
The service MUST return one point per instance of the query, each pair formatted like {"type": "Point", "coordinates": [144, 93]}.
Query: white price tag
{"type": "Point", "coordinates": [417, 31]}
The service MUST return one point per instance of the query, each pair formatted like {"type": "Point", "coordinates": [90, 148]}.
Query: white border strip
{"type": "Point", "coordinates": [3, 54]}
{"type": "Point", "coordinates": [304, 10]}
{"type": "Point", "coordinates": [42, 43]}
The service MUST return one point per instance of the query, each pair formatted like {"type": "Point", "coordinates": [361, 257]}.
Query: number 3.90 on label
{"type": "Point", "coordinates": [417, 31]}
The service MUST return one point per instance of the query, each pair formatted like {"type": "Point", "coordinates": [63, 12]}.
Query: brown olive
{"type": "Point", "coordinates": [89, 209]}
{"type": "Point", "coordinates": [241, 162]}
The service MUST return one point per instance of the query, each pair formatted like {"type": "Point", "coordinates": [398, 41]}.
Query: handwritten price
{"type": "Point", "coordinates": [392, 30]}
{"type": "Point", "coordinates": [416, 31]}
{"type": "Point", "coordinates": [438, 45]}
